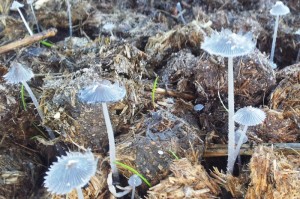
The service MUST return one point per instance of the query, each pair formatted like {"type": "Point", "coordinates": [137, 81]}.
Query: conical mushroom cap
{"type": "Point", "coordinates": [249, 116]}
{"type": "Point", "coordinates": [102, 92]}
{"type": "Point", "coordinates": [18, 73]}
{"type": "Point", "coordinates": [71, 171]}
{"type": "Point", "coordinates": [279, 9]}
{"type": "Point", "coordinates": [228, 44]}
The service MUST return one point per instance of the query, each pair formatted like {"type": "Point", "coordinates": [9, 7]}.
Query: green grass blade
{"type": "Point", "coordinates": [154, 90]}
{"type": "Point", "coordinates": [23, 98]}
{"type": "Point", "coordinates": [47, 44]}
{"type": "Point", "coordinates": [173, 154]}
{"type": "Point", "coordinates": [133, 171]}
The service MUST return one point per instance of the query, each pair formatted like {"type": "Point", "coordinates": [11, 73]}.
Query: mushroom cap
{"type": "Point", "coordinates": [228, 44]}
{"type": "Point", "coordinates": [249, 116]}
{"type": "Point", "coordinates": [16, 5]}
{"type": "Point", "coordinates": [18, 73]}
{"type": "Point", "coordinates": [109, 26]}
{"type": "Point", "coordinates": [134, 181]}
{"type": "Point", "coordinates": [279, 9]}
{"type": "Point", "coordinates": [71, 171]}
{"type": "Point", "coordinates": [297, 32]}
{"type": "Point", "coordinates": [238, 134]}
{"type": "Point", "coordinates": [102, 92]}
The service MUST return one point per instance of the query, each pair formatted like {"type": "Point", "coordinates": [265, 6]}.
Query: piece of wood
{"type": "Point", "coordinates": [28, 40]}
{"type": "Point", "coordinates": [218, 150]}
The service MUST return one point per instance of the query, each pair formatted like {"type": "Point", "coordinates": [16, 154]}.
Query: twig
{"type": "Point", "coordinates": [218, 150]}
{"type": "Point", "coordinates": [28, 40]}
{"type": "Point", "coordinates": [175, 94]}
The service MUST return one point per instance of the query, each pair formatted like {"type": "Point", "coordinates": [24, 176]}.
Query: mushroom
{"type": "Point", "coordinates": [109, 27]}
{"type": "Point", "coordinates": [104, 92]}
{"type": "Point", "coordinates": [72, 171]}
{"type": "Point", "coordinates": [279, 9]}
{"type": "Point", "coordinates": [21, 74]}
{"type": "Point", "coordinates": [16, 7]}
{"type": "Point", "coordinates": [247, 116]}
{"type": "Point", "coordinates": [198, 107]}
{"type": "Point", "coordinates": [134, 181]}
{"type": "Point", "coordinates": [228, 44]}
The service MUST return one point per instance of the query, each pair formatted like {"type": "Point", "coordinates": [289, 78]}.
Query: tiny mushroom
{"type": "Point", "coordinates": [104, 92]}
{"type": "Point", "coordinates": [198, 107]}
{"type": "Point", "coordinates": [16, 7]}
{"type": "Point", "coordinates": [72, 171]}
{"type": "Point", "coordinates": [279, 9]}
{"type": "Point", "coordinates": [134, 181]}
{"type": "Point", "coordinates": [109, 27]}
{"type": "Point", "coordinates": [247, 116]}
{"type": "Point", "coordinates": [21, 74]}
{"type": "Point", "coordinates": [228, 44]}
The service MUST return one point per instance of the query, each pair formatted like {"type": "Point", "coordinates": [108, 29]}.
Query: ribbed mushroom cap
{"type": "Point", "coordinates": [18, 73]}
{"type": "Point", "coordinates": [102, 92]}
{"type": "Point", "coordinates": [279, 9]}
{"type": "Point", "coordinates": [249, 116]}
{"type": "Point", "coordinates": [134, 181]}
{"type": "Point", "coordinates": [71, 171]}
{"type": "Point", "coordinates": [228, 44]}
{"type": "Point", "coordinates": [15, 5]}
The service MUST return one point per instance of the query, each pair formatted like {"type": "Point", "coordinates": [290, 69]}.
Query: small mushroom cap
{"type": "Point", "coordinates": [71, 171]}
{"type": "Point", "coordinates": [16, 5]}
{"type": "Point", "coordinates": [228, 44]}
{"type": "Point", "coordinates": [102, 92]}
{"type": "Point", "coordinates": [134, 181]}
{"type": "Point", "coordinates": [198, 107]}
{"type": "Point", "coordinates": [279, 9]}
{"type": "Point", "coordinates": [297, 32]}
{"type": "Point", "coordinates": [249, 116]}
{"type": "Point", "coordinates": [109, 26]}
{"type": "Point", "coordinates": [238, 135]}
{"type": "Point", "coordinates": [178, 7]}
{"type": "Point", "coordinates": [18, 73]}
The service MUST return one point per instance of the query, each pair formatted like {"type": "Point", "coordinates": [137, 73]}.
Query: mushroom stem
{"type": "Point", "coordinates": [231, 136]}
{"type": "Point", "coordinates": [70, 17]}
{"type": "Point", "coordinates": [240, 142]}
{"type": "Point", "coordinates": [133, 192]}
{"type": "Point", "coordinates": [274, 39]}
{"type": "Point", "coordinates": [79, 193]}
{"type": "Point", "coordinates": [24, 21]}
{"type": "Point", "coordinates": [34, 17]}
{"type": "Point", "coordinates": [34, 100]}
{"type": "Point", "coordinates": [111, 141]}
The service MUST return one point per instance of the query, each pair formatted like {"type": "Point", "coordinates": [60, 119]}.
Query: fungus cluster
{"type": "Point", "coordinates": [230, 45]}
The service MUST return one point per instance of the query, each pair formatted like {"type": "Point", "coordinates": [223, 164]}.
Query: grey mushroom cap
{"type": "Point", "coordinates": [102, 92]}
{"type": "Point", "coordinates": [18, 73]}
{"type": "Point", "coordinates": [71, 171]}
{"type": "Point", "coordinates": [16, 5]}
{"type": "Point", "coordinates": [279, 9]}
{"type": "Point", "coordinates": [198, 107]}
{"type": "Point", "coordinates": [134, 181]}
{"type": "Point", "coordinates": [249, 116]}
{"type": "Point", "coordinates": [228, 44]}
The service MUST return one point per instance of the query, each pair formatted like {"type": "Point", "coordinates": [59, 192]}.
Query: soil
{"type": "Point", "coordinates": [149, 40]}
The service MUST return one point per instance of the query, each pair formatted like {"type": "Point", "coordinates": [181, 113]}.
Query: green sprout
{"type": "Point", "coordinates": [23, 98]}
{"type": "Point", "coordinates": [133, 171]}
{"type": "Point", "coordinates": [173, 154]}
{"type": "Point", "coordinates": [154, 90]}
{"type": "Point", "coordinates": [46, 43]}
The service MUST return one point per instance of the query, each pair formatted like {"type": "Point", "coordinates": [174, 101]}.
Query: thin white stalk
{"type": "Point", "coordinates": [240, 142]}
{"type": "Point", "coordinates": [79, 193]}
{"type": "Point", "coordinates": [70, 17]}
{"type": "Point", "coordinates": [133, 192]}
{"type": "Point", "coordinates": [111, 140]}
{"type": "Point", "coordinates": [24, 21]}
{"type": "Point", "coordinates": [35, 19]}
{"type": "Point", "coordinates": [274, 39]}
{"type": "Point", "coordinates": [231, 134]}
{"type": "Point", "coordinates": [34, 100]}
